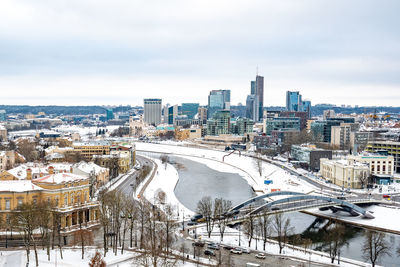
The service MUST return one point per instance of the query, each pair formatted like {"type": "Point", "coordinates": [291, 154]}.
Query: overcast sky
{"type": "Point", "coordinates": [97, 52]}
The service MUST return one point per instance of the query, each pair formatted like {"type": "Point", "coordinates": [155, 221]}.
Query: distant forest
{"type": "Point", "coordinates": [60, 110]}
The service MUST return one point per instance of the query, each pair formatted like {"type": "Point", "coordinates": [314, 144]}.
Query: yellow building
{"type": "Point", "coordinates": [69, 193]}
{"type": "Point", "coordinates": [344, 173]}
{"type": "Point", "coordinates": [88, 150]}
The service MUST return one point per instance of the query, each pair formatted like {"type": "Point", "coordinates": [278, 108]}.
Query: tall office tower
{"type": "Point", "coordinates": [307, 107]}
{"type": "Point", "coordinates": [172, 114]}
{"type": "Point", "coordinates": [218, 100]}
{"type": "Point", "coordinates": [253, 87]}
{"type": "Point", "coordinates": [189, 109]}
{"type": "Point", "coordinates": [202, 113]}
{"type": "Point", "coordinates": [293, 101]}
{"type": "Point", "coordinates": [255, 101]}
{"type": "Point", "coordinates": [260, 96]}
{"type": "Point", "coordinates": [152, 111]}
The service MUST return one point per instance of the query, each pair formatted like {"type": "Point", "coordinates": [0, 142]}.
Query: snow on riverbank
{"type": "Point", "coordinates": [244, 166]}
{"type": "Point", "coordinates": [165, 180]}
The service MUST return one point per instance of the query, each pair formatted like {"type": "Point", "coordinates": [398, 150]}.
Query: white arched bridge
{"type": "Point", "coordinates": [296, 201]}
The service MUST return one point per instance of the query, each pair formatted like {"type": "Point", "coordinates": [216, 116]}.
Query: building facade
{"type": "Point", "coordinates": [386, 147]}
{"type": "Point", "coordinates": [152, 111]}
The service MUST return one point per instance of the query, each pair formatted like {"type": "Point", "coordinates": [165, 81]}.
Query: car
{"type": "Point", "coordinates": [341, 197]}
{"type": "Point", "coordinates": [227, 247]}
{"type": "Point", "coordinates": [131, 184]}
{"type": "Point", "coordinates": [196, 217]}
{"type": "Point", "coordinates": [213, 246]}
{"type": "Point", "coordinates": [198, 244]}
{"type": "Point", "coordinates": [246, 250]}
{"type": "Point", "coordinates": [191, 223]}
{"type": "Point", "coordinates": [386, 196]}
{"type": "Point", "coordinates": [209, 252]}
{"type": "Point", "coordinates": [236, 251]}
{"type": "Point", "coordinates": [260, 256]}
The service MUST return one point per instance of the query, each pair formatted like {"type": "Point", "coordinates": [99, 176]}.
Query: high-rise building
{"type": "Point", "coordinates": [260, 96]}
{"type": "Point", "coordinates": [255, 101]}
{"type": "Point", "coordinates": [190, 109]}
{"type": "Point", "coordinates": [202, 114]}
{"type": "Point", "coordinates": [220, 123]}
{"type": "Point", "coordinates": [152, 111]}
{"type": "Point", "coordinates": [109, 114]}
{"type": "Point", "coordinates": [293, 101]}
{"type": "Point", "coordinates": [170, 114]}
{"type": "Point", "coordinates": [218, 100]}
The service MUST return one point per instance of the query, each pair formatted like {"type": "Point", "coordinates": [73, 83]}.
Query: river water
{"type": "Point", "coordinates": [197, 180]}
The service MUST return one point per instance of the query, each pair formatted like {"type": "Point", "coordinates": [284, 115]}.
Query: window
{"type": "Point", "coordinates": [20, 202]}
{"type": "Point", "coordinates": [56, 201]}
{"type": "Point", "coordinates": [66, 200]}
{"type": "Point", "coordinates": [34, 201]}
{"type": "Point", "coordinates": [72, 199]}
{"type": "Point", "coordinates": [8, 204]}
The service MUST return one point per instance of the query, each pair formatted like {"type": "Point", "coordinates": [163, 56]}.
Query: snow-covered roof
{"type": "Point", "coordinates": [18, 186]}
{"type": "Point", "coordinates": [60, 178]}
{"type": "Point", "coordinates": [88, 167]}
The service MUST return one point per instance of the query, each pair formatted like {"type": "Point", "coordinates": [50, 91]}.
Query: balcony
{"type": "Point", "coordinates": [79, 206]}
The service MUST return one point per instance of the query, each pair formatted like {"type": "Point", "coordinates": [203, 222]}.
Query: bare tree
{"type": "Point", "coordinates": [265, 225]}
{"type": "Point", "coordinates": [250, 225]}
{"type": "Point", "coordinates": [282, 228]}
{"type": "Point", "coordinates": [26, 221]}
{"type": "Point", "coordinates": [205, 208]}
{"type": "Point", "coordinates": [221, 207]}
{"type": "Point", "coordinates": [164, 160]}
{"type": "Point", "coordinates": [83, 237]}
{"type": "Point", "coordinates": [334, 239]}
{"type": "Point", "coordinates": [375, 246]}
{"type": "Point", "coordinates": [257, 161]}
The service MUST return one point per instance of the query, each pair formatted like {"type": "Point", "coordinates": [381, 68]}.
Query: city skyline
{"type": "Point", "coordinates": [96, 53]}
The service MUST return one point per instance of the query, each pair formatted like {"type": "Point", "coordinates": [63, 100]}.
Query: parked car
{"type": "Point", "coordinates": [227, 247]}
{"type": "Point", "coordinates": [191, 223]}
{"type": "Point", "coordinates": [213, 246]}
{"type": "Point", "coordinates": [236, 251]}
{"type": "Point", "coordinates": [209, 252]}
{"type": "Point", "coordinates": [260, 256]}
{"type": "Point", "coordinates": [198, 244]}
{"type": "Point", "coordinates": [246, 250]}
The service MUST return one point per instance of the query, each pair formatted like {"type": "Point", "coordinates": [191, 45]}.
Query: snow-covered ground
{"type": "Point", "coordinates": [165, 180]}
{"type": "Point", "coordinates": [72, 257]}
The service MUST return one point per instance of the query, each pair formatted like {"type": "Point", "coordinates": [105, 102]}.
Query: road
{"type": "Point", "coordinates": [128, 185]}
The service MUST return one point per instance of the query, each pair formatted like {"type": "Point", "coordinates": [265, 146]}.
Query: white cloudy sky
{"type": "Point", "coordinates": [70, 52]}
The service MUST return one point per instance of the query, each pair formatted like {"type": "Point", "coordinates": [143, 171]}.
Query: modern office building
{"type": "Point", "coordinates": [359, 140]}
{"type": "Point", "coordinates": [386, 147]}
{"type": "Point", "coordinates": [310, 155]}
{"type": "Point", "coordinates": [152, 111]}
{"type": "Point", "coordinates": [255, 101]}
{"type": "Point", "coordinates": [322, 130]}
{"type": "Point", "coordinates": [190, 109]}
{"type": "Point", "coordinates": [241, 126]}
{"type": "Point", "coordinates": [293, 101]}
{"type": "Point", "coordinates": [109, 114]}
{"type": "Point", "coordinates": [281, 124]}
{"type": "Point", "coordinates": [220, 123]}
{"type": "Point", "coordinates": [303, 116]}
{"type": "Point", "coordinates": [170, 114]}
{"type": "Point", "coordinates": [340, 137]}
{"type": "Point", "coordinates": [202, 113]}
{"type": "Point", "coordinates": [307, 107]}
{"type": "Point", "coordinates": [218, 100]}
